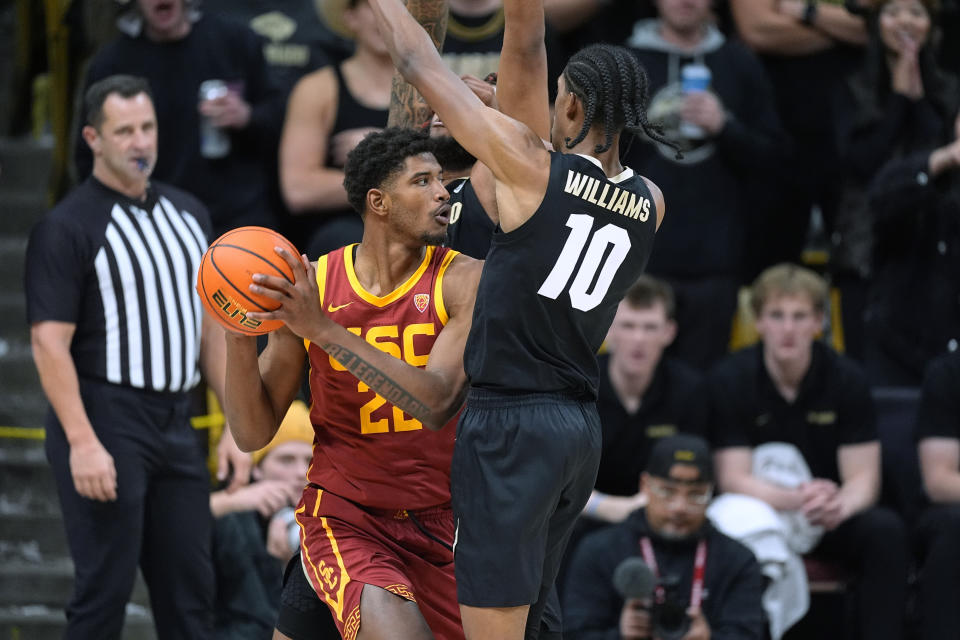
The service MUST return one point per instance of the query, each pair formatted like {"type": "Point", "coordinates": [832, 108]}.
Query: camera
{"type": "Point", "coordinates": [668, 618]}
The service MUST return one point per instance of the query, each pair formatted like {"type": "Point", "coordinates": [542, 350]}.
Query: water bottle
{"type": "Point", "coordinates": [694, 77]}
{"type": "Point", "coordinates": [214, 141]}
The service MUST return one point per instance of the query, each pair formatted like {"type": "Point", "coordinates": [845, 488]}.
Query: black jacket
{"type": "Point", "coordinates": [733, 583]}
{"type": "Point", "coordinates": [913, 308]}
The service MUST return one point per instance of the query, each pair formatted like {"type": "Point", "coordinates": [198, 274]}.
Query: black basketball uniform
{"type": "Point", "coordinates": [528, 442]}
{"type": "Point", "coordinates": [470, 229]}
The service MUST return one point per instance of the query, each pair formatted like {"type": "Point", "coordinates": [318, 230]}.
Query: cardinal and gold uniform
{"type": "Point", "coordinates": [377, 508]}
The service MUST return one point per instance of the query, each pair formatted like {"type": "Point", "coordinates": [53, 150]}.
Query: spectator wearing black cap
{"type": "Point", "coordinates": [794, 389]}
{"type": "Point", "coordinates": [714, 578]}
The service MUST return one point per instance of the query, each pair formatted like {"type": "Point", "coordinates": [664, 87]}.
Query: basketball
{"type": "Point", "coordinates": [226, 273]}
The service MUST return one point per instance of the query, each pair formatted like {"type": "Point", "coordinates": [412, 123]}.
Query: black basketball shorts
{"type": "Point", "coordinates": [523, 468]}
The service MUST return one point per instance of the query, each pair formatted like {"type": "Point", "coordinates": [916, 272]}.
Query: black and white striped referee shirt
{"type": "Point", "coordinates": [123, 271]}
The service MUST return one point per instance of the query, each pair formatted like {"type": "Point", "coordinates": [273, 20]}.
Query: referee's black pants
{"type": "Point", "coordinates": [938, 535]}
{"type": "Point", "coordinates": [161, 518]}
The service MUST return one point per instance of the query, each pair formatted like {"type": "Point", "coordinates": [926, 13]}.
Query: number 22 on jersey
{"type": "Point", "coordinates": [596, 243]}
{"type": "Point", "coordinates": [385, 339]}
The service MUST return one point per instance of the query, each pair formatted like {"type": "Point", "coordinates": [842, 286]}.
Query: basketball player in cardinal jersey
{"type": "Point", "coordinates": [376, 525]}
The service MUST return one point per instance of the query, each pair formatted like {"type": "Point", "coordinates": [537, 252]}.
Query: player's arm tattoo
{"type": "Point", "coordinates": [407, 106]}
{"type": "Point", "coordinates": [378, 381]}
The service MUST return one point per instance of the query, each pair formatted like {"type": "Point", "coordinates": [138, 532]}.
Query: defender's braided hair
{"type": "Point", "coordinates": [612, 85]}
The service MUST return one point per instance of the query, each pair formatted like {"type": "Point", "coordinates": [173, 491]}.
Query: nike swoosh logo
{"type": "Point", "coordinates": [332, 308]}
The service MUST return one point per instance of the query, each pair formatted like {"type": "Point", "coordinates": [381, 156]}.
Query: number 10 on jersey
{"type": "Point", "coordinates": [581, 226]}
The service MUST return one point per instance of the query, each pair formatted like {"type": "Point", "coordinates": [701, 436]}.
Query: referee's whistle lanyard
{"type": "Point", "coordinates": [699, 566]}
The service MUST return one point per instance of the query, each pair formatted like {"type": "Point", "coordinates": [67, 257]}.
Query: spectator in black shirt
{"type": "Point", "coordinates": [176, 50]}
{"type": "Point", "coordinates": [791, 388]}
{"type": "Point", "coordinates": [938, 434]}
{"type": "Point", "coordinates": [295, 40]}
{"type": "Point", "coordinates": [669, 534]}
{"type": "Point", "coordinates": [808, 48]}
{"type": "Point", "coordinates": [643, 397]}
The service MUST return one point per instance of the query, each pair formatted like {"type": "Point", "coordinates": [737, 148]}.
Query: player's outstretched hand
{"type": "Point", "coordinates": [299, 300]}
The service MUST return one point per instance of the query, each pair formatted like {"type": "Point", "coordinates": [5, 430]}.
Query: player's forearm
{"type": "Point", "coordinates": [522, 82]}
{"type": "Point", "coordinates": [427, 396]}
{"type": "Point", "coordinates": [213, 356]}
{"type": "Point", "coordinates": [408, 109]}
{"type": "Point", "coordinates": [524, 28]}
{"type": "Point", "coordinates": [311, 191]}
{"type": "Point", "coordinates": [247, 406]}
{"type": "Point", "coordinates": [432, 16]}
{"type": "Point", "coordinates": [407, 106]}
{"type": "Point", "coordinates": [409, 44]}
{"type": "Point", "coordinates": [61, 384]}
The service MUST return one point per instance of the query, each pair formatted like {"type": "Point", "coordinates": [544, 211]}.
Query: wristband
{"type": "Point", "coordinates": [809, 13]}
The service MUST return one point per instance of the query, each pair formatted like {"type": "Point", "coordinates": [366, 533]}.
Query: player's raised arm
{"type": "Point", "coordinates": [407, 106]}
{"type": "Point", "coordinates": [258, 391]}
{"type": "Point", "coordinates": [512, 150]}
{"type": "Point", "coordinates": [522, 77]}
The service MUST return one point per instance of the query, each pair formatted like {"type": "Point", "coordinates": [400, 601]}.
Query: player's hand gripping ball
{"type": "Point", "coordinates": [226, 273]}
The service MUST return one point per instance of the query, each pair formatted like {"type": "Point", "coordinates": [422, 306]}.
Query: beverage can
{"type": "Point", "coordinates": [214, 141]}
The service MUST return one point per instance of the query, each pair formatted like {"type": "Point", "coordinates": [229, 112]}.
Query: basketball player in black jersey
{"type": "Point", "coordinates": [576, 230]}
{"type": "Point", "coordinates": [524, 65]}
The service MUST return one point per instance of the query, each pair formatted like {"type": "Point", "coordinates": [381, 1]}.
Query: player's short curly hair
{"type": "Point", "coordinates": [377, 159]}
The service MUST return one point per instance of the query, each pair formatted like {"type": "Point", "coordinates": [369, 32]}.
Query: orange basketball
{"type": "Point", "coordinates": [226, 273]}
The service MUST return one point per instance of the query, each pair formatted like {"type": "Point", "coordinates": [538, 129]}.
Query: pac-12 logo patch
{"type": "Point", "coordinates": [420, 301]}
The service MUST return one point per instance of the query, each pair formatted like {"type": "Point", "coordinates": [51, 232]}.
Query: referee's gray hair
{"type": "Point", "coordinates": [125, 86]}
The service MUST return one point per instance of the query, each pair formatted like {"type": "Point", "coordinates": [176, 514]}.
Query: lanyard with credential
{"type": "Point", "coordinates": [699, 566]}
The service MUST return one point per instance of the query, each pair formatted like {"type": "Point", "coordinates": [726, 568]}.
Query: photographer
{"type": "Point", "coordinates": [694, 583]}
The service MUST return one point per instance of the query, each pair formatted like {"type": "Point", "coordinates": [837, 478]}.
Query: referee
{"type": "Point", "coordinates": [116, 333]}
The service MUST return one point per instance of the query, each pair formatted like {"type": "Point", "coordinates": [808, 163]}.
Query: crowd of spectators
{"type": "Point", "coordinates": [840, 113]}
